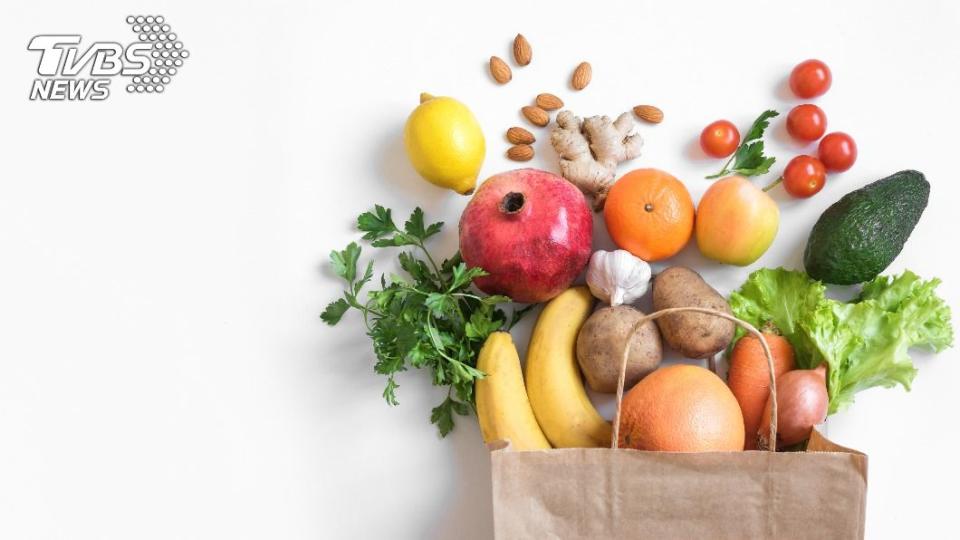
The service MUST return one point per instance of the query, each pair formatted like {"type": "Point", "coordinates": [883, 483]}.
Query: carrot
{"type": "Point", "coordinates": [749, 378]}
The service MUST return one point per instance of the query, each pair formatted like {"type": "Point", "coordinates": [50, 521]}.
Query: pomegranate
{"type": "Point", "coordinates": [531, 230]}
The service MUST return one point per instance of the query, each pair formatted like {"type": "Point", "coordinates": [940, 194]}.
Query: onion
{"type": "Point", "coordinates": [801, 404]}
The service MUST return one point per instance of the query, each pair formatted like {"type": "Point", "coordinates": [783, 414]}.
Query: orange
{"type": "Point", "coordinates": [650, 214]}
{"type": "Point", "coordinates": [681, 408]}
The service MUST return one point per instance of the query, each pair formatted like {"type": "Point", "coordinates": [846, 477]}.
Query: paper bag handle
{"type": "Point", "coordinates": [743, 324]}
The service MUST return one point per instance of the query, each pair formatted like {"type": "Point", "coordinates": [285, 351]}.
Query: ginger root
{"type": "Point", "coordinates": [590, 150]}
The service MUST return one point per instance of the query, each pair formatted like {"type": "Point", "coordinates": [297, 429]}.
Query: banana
{"type": "Point", "coordinates": [502, 405]}
{"type": "Point", "coordinates": [554, 384]}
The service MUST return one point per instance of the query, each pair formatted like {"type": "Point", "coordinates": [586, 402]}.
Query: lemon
{"type": "Point", "coordinates": [444, 143]}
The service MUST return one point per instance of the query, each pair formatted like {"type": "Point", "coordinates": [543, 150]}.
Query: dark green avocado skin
{"type": "Point", "coordinates": [862, 233]}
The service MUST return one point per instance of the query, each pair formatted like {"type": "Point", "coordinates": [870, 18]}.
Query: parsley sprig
{"type": "Point", "coordinates": [749, 160]}
{"type": "Point", "coordinates": [428, 319]}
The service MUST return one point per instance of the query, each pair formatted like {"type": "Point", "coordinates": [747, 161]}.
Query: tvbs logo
{"type": "Point", "coordinates": [71, 71]}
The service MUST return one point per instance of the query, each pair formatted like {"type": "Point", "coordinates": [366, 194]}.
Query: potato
{"type": "Point", "coordinates": [695, 335]}
{"type": "Point", "coordinates": [600, 348]}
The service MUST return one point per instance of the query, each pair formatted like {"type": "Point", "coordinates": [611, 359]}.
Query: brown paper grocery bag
{"type": "Point", "coordinates": [609, 493]}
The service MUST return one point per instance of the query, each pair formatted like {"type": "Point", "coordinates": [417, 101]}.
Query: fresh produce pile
{"type": "Point", "coordinates": [526, 236]}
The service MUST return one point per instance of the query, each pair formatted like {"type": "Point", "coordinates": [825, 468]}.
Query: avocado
{"type": "Point", "coordinates": [862, 233]}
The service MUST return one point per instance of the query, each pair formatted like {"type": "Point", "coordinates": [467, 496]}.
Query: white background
{"type": "Point", "coordinates": [163, 370]}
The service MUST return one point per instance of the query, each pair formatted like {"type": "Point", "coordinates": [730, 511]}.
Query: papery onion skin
{"type": "Point", "coordinates": [802, 403]}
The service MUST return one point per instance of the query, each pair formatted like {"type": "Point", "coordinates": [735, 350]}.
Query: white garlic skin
{"type": "Point", "coordinates": [617, 277]}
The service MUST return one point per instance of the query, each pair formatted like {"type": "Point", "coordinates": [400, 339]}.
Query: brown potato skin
{"type": "Point", "coordinates": [695, 335]}
{"type": "Point", "coordinates": [600, 347]}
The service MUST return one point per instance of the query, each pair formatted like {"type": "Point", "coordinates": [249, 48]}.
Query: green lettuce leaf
{"type": "Point", "coordinates": [779, 297]}
{"type": "Point", "coordinates": [865, 342]}
{"type": "Point", "coordinates": [863, 345]}
{"type": "Point", "coordinates": [926, 317]}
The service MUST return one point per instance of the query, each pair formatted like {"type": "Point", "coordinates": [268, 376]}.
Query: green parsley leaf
{"type": "Point", "coordinates": [442, 416]}
{"type": "Point", "coordinates": [760, 125]}
{"type": "Point", "coordinates": [390, 392]}
{"type": "Point", "coordinates": [417, 269]}
{"type": "Point", "coordinates": [462, 276]}
{"type": "Point", "coordinates": [376, 223]}
{"type": "Point", "coordinates": [415, 226]}
{"type": "Point", "coordinates": [345, 262]}
{"type": "Point", "coordinates": [367, 275]}
{"type": "Point", "coordinates": [494, 299]}
{"type": "Point", "coordinates": [334, 311]}
{"type": "Point", "coordinates": [397, 240]}
{"type": "Point", "coordinates": [380, 228]}
{"type": "Point", "coordinates": [481, 325]}
{"type": "Point", "coordinates": [421, 354]}
{"type": "Point", "coordinates": [750, 160]}
{"type": "Point", "coordinates": [464, 392]}
{"type": "Point", "coordinates": [449, 264]}
{"type": "Point", "coordinates": [440, 304]}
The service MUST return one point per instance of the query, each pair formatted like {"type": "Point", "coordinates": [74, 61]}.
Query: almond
{"type": "Point", "coordinates": [518, 135]}
{"type": "Point", "coordinates": [581, 76]}
{"type": "Point", "coordinates": [522, 52]}
{"type": "Point", "coordinates": [520, 152]}
{"type": "Point", "coordinates": [549, 102]}
{"type": "Point", "coordinates": [649, 113]}
{"type": "Point", "coordinates": [536, 115]}
{"type": "Point", "coordinates": [500, 70]}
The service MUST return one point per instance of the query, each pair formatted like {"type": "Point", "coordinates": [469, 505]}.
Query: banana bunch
{"type": "Point", "coordinates": [553, 408]}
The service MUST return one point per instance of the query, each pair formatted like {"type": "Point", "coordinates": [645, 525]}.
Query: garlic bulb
{"type": "Point", "coordinates": [617, 277]}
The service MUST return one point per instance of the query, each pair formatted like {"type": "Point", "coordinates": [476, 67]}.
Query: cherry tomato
{"type": "Point", "coordinates": [720, 138]}
{"type": "Point", "coordinates": [804, 176]}
{"type": "Point", "coordinates": [837, 151]}
{"type": "Point", "coordinates": [806, 122]}
{"type": "Point", "coordinates": [810, 78]}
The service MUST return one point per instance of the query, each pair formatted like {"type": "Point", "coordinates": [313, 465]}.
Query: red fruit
{"type": "Point", "coordinates": [806, 122]}
{"type": "Point", "coordinates": [719, 139]}
{"type": "Point", "coordinates": [837, 151]}
{"type": "Point", "coordinates": [531, 230]}
{"type": "Point", "coordinates": [810, 78]}
{"type": "Point", "coordinates": [804, 177]}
